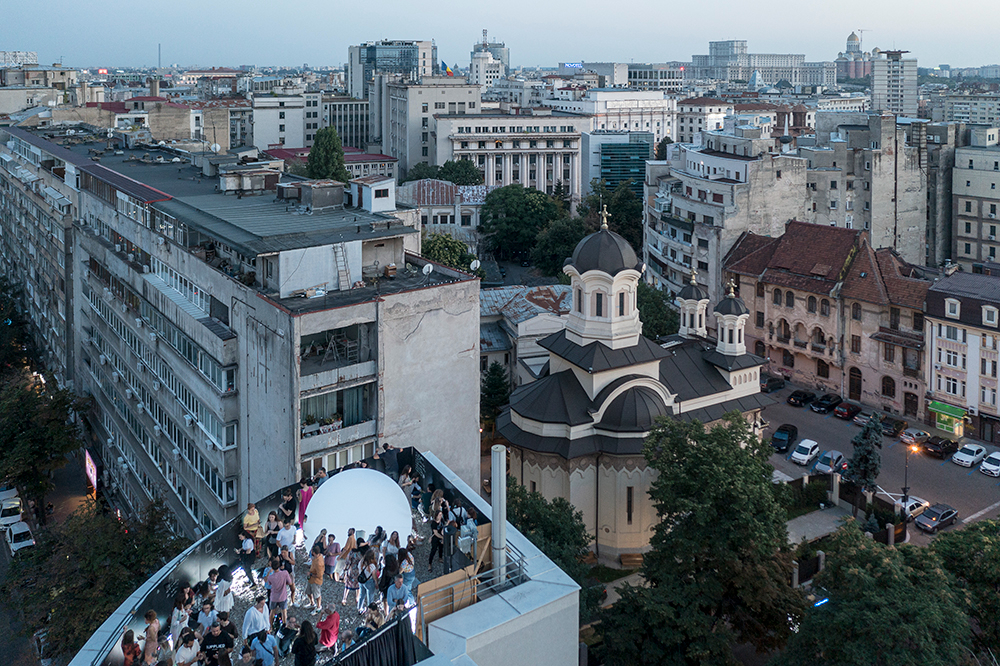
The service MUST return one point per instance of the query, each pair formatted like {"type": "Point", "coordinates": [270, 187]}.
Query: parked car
{"type": "Point", "coordinates": [10, 512]}
{"type": "Point", "coordinates": [826, 404]}
{"type": "Point", "coordinates": [830, 462]}
{"type": "Point", "coordinates": [939, 447]}
{"type": "Point", "coordinates": [969, 455]}
{"type": "Point", "coordinates": [7, 491]}
{"type": "Point", "coordinates": [936, 517]}
{"type": "Point", "coordinates": [991, 465]}
{"type": "Point", "coordinates": [770, 383]}
{"type": "Point", "coordinates": [846, 411]}
{"type": "Point", "coordinates": [801, 398]}
{"type": "Point", "coordinates": [19, 537]}
{"type": "Point", "coordinates": [805, 452]}
{"type": "Point", "coordinates": [914, 436]}
{"type": "Point", "coordinates": [863, 418]}
{"type": "Point", "coordinates": [893, 427]}
{"type": "Point", "coordinates": [914, 507]}
{"type": "Point", "coordinates": [784, 437]}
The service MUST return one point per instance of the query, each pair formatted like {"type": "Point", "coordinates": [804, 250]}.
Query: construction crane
{"type": "Point", "coordinates": [861, 36]}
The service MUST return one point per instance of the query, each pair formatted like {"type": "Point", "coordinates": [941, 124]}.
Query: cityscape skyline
{"type": "Point", "coordinates": [68, 35]}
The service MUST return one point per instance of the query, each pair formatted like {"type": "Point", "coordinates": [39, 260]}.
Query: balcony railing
{"type": "Point", "coordinates": [783, 339]}
{"type": "Point", "coordinates": [801, 344]}
{"type": "Point", "coordinates": [916, 373]}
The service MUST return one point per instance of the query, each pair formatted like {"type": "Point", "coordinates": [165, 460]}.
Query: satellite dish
{"type": "Point", "coordinates": [428, 269]}
{"type": "Point", "coordinates": [111, 133]}
{"type": "Point", "coordinates": [70, 132]}
{"type": "Point", "coordinates": [215, 147]}
{"type": "Point", "coordinates": [474, 265]}
{"type": "Point", "coordinates": [162, 143]}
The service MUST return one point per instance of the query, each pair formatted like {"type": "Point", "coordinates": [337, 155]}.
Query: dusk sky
{"type": "Point", "coordinates": [318, 32]}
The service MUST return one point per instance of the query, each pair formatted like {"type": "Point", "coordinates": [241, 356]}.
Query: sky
{"type": "Point", "coordinates": [318, 32]}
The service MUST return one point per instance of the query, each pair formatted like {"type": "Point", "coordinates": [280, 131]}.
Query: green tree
{"type": "Point", "coordinates": [494, 392]}
{"type": "Point", "coordinates": [36, 431]}
{"type": "Point", "coordinates": [864, 465]}
{"type": "Point", "coordinates": [14, 339]}
{"type": "Point", "coordinates": [657, 317]}
{"type": "Point", "coordinates": [558, 531]}
{"type": "Point", "coordinates": [661, 148]}
{"type": "Point", "coordinates": [420, 171]}
{"type": "Point", "coordinates": [81, 570]}
{"type": "Point", "coordinates": [719, 569]}
{"type": "Point", "coordinates": [326, 157]}
{"type": "Point", "coordinates": [887, 605]}
{"type": "Point", "coordinates": [972, 555]}
{"type": "Point", "coordinates": [624, 209]}
{"type": "Point", "coordinates": [297, 168]}
{"type": "Point", "coordinates": [561, 195]}
{"type": "Point", "coordinates": [460, 172]}
{"type": "Point", "coordinates": [448, 250]}
{"type": "Point", "coordinates": [556, 242]}
{"type": "Point", "coordinates": [512, 216]}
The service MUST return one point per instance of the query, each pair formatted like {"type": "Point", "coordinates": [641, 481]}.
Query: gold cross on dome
{"type": "Point", "coordinates": [694, 276]}
{"type": "Point", "coordinates": [604, 216]}
{"type": "Point", "coordinates": [731, 289]}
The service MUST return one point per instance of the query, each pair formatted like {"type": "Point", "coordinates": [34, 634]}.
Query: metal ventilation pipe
{"type": "Point", "coordinates": [498, 493]}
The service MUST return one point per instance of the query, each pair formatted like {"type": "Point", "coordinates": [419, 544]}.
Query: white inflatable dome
{"type": "Point", "coordinates": [359, 498]}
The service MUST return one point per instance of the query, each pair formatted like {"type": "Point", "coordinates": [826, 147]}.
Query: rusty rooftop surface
{"type": "Point", "coordinates": [519, 303]}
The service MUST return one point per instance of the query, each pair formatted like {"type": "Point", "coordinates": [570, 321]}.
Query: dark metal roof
{"type": "Point", "coordinates": [53, 149]}
{"type": "Point", "coordinates": [730, 363]}
{"type": "Point", "coordinates": [558, 398]}
{"type": "Point", "coordinates": [597, 357]}
{"type": "Point", "coordinates": [604, 251]}
{"type": "Point", "coordinates": [731, 305]}
{"type": "Point", "coordinates": [693, 291]}
{"type": "Point", "coordinates": [130, 187]}
{"type": "Point", "coordinates": [687, 375]}
{"type": "Point", "coordinates": [567, 448]}
{"type": "Point", "coordinates": [716, 412]}
{"type": "Point", "coordinates": [635, 410]}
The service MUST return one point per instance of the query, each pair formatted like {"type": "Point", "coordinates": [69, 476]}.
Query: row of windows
{"type": "Point", "coordinates": [598, 303]}
{"type": "Point", "coordinates": [193, 293]}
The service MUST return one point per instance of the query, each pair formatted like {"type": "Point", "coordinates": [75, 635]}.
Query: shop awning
{"type": "Point", "coordinates": [948, 410]}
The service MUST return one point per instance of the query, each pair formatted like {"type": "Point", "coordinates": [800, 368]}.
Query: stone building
{"type": "Point", "coordinates": [832, 313]}
{"type": "Point", "coordinates": [577, 432]}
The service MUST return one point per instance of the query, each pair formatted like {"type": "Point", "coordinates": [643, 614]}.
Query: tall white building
{"type": "Point", "coordinates": [624, 109]}
{"type": "Point", "coordinates": [894, 84]}
{"type": "Point", "coordinates": [411, 60]}
{"type": "Point", "coordinates": [485, 70]}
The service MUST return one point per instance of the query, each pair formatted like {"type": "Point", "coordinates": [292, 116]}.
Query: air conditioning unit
{"type": "Point", "coordinates": [993, 216]}
{"type": "Point", "coordinates": [139, 407]}
{"type": "Point", "coordinates": [118, 247]}
{"type": "Point", "coordinates": [115, 377]}
{"type": "Point", "coordinates": [138, 322]}
{"type": "Point", "coordinates": [176, 453]}
{"type": "Point", "coordinates": [86, 273]}
{"type": "Point", "coordinates": [157, 430]}
{"type": "Point", "coordinates": [103, 360]}
{"type": "Point", "coordinates": [937, 366]}
{"type": "Point", "coordinates": [111, 441]}
{"type": "Point", "coordinates": [145, 268]}
{"type": "Point", "coordinates": [160, 240]}
{"type": "Point", "coordinates": [107, 294]}
{"type": "Point", "coordinates": [131, 256]}
{"type": "Point", "coordinates": [188, 420]}
{"type": "Point", "coordinates": [124, 307]}
{"type": "Point", "coordinates": [972, 411]}
{"type": "Point", "coordinates": [152, 337]}
{"type": "Point", "coordinates": [156, 386]}
{"type": "Point", "coordinates": [992, 237]}
{"type": "Point", "coordinates": [128, 394]}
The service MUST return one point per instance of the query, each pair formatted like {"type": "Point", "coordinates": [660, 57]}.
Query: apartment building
{"type": "Point", "coordinates": [894, 83]}
{"type": "Point", "coordinates": [832, 313]}
{"type": "Point", "coordinates": [972, 109]}
{"type": "Point", "coordinates": [975, 198]}
{"type": "Point", "coordinates": [349, 117]}
{"type": "Point", "coordinates": [289, 120]}
{"type": "Point", "coordinates": [237, 332]}
{"type": "Point", "coordinates": [629, 110]}
{"type": "Point", "coordinates": [962, 333]}
{"type": "Point", "coordinates": [38, 204]}
{"type": "Point", "coordinates": [869, 171]}
{"type": "Point", "coordinates": [536, 150]}
{"type": "Point", "coordinates": [700, 114]}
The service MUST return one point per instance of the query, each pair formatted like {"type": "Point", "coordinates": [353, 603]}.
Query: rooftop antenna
{"type": "Point", "coordinates": [486, 42]}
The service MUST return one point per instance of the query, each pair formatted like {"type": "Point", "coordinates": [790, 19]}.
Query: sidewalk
{"type": "Point", "coordinates": [611, 588]}
{"type": "Point", "coordinates": [816, 524]}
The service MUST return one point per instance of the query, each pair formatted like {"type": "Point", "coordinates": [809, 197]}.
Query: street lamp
{"type": "Point", "coordinates": [906, 476]}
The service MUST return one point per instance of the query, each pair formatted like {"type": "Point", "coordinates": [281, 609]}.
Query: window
{"type": "Point", "coordinates": [894, 318]}
{"type": "Point", "coordinates": [579, 300]}
{"type": "Point", "coordinates": [953, 308]}
{"type": "Point", "coordinates": [777, 297]}
{"type": "Point", "coordinates": [787, 359]}
{"type": "Point", "coordinates": [889, 353]}
{"type": "Point", "coordinates": [824, 308]}
{"type": "Point", "coordinates": [439, 105]}
{"type": "Point", "coordinates": [621, 304]}
{"type": "Point", "coordinates": [987, 368]}
{"type": "Point", "coordinates": [789, 299]}
{"type": "Point", "coordinates": [281, 115]}
{"type": "Point", "coordinates": [811, 304]}
{"type": "Point", "coordinates": [423, 151]}
{"type": "Point", "coordinates": [989, 316]}
{"type": "Point", "coordinates": [856, 311]}
{"type": "Point", "coordinates": [382, 194]}
{"type": "Point", "coordinates": [918, 321]}
{"type": "Point", "coordinates": [760, 290]}
{"type": "Point", "coordinates": [968, 206]}
{"type": "Point", "coordinates": [423, 107]}
{"type": "Point", "coordinates": [822, 369]}
{"type": "Point", "coordinates": [855, 344]}
{"type": "Point", "coordinates": [629, 496]}
{"type": "Point", "coordinates": [888, 387]}
{"type": "Point", "coordinates": [281, 128]}
{"type": "Point", "coordinates": [599, 304]}
{"type": "Point", "coordinates": [833, 184]}
{"type": "Point", "coordinates": [760, 320]}
{"type": "Point", "coordinates": [759, 349]}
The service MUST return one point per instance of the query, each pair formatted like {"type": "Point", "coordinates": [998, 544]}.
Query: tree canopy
{"type": "Point", "coordinates": [972, 556]}
{"type": "Point", "coordinates": [887, 606]}
{"type": "Point", "coordinates": [494, 391]}
{"type": "Point", "coordinates": [624, 208]}
{"type": "Point", "coordinates": [556, 242]}
{"type": "Point", "coordinates": [864, 465]}
{"type": "Point", "coordinates": [719, 569]}
{"type": "Point", "coordinates": [326, 157]}
{"type": "Point", "coordinates": [36, 431]}
{"type": "Point", "coordinates": [512, 216]}
{"type": "Point", "coordinates": [661, 148]}
{"type": "Point", "coordinates": [82, 569]}
{"type": "Point", "coordinates": [657, 317]}
{"type": "Point", "coordinates": [459, 172]}
{"type": "Point", "coordinates": [448, 250]}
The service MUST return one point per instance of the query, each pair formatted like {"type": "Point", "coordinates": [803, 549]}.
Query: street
{"type": "Point", "coordinates": [975, 495]}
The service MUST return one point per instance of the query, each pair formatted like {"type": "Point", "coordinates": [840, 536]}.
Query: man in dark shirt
{"type": "Point", "coordinates": [391, 460]}
{"type": "Point", "coordinates": [217, 645]}
{"type": "Point", "coordinates": [288, 506]}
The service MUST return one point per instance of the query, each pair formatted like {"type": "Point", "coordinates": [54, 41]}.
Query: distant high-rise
{"type": "Point", "coordinates": [894, 83]}
{"type": "Point", "coordinates": [498, 50]}
{"type": "Point", "coordinates": [411, 60]}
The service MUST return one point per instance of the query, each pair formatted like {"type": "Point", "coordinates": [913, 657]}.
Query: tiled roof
{"type": "Point", "coordinates": [519, 303]}
{"type": "Point", "coordinates": [434, 192]}
{"type": "Point", "coordinates": [492, 338]}
{"type": "Point", "coordinates": [750, 254]}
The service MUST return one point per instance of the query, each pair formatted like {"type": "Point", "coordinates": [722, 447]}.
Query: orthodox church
{"type": "Point", "coordinates": [577, 431]}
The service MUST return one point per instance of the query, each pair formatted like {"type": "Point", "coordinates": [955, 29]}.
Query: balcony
{"type": "Point", "coordinates": [801, 344]}
{"type": "Point", "coordinates": [321, 441]}
{"type": "Point", "coordinates": [819, 349]}
{"type": "Point", "coordinates": [915, 373]}
{"type": "Point", "coordinates": [318, 378]}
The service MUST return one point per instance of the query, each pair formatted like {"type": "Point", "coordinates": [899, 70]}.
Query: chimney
{"type": "Point", "coordinates": [154, 87]}
{"type": "Point", "coordinates": [498, 494]}
{"type": "Point", "coordinates": [81, 94]}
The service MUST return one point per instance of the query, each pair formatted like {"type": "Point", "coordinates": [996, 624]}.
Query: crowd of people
{"type": "Point", "coordinates": [378, 570]}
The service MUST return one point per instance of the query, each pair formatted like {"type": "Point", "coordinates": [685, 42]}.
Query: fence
{"type": "Point", "coordinates": [808, 567]}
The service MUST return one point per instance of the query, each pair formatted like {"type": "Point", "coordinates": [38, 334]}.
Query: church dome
{"type": "Point", "coordinates": [853, 38]}
{"type": "Point", "coordinates": [635, 410]}
{"type": "Point", "coordinates": [731, 304]}
{"type": "Point", "coordinates": [604, 251]}
{"type": "Point", "coordinates": [693, 291]}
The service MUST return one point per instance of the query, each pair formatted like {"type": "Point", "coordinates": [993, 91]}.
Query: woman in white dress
{"type": "Point", "coordinates": [224, 593]}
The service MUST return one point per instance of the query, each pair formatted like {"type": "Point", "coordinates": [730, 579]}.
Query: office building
{"type": "Point", "coordinates": [410, 60]}
{"type": "Point", "coordinates": [349, 117]}
{"type": "Point", "coordinates": [536, 150]}
{"type": "Point", "coordinates": [730, 61]}
{"type": "Point", "coordinates": [894, 84]}
{"type": "Point", "coordinates": [656, 76]}
{"type": "Point", "coordinates": [616, 157]}
{"type": "Point", "coordinates": [498, 50]}
{"type": "Point", "coordinates": [485, 70]}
